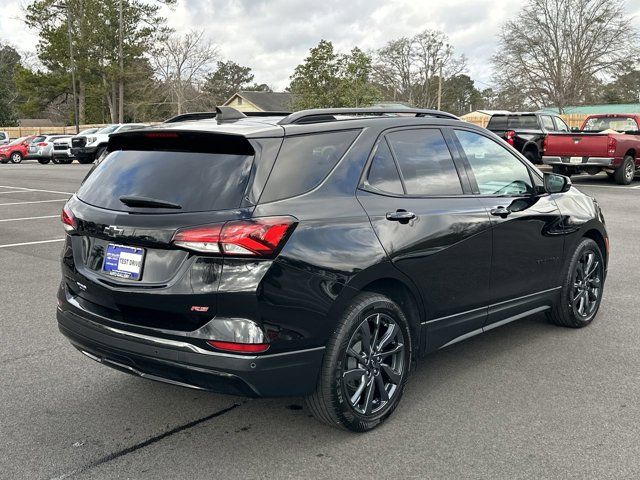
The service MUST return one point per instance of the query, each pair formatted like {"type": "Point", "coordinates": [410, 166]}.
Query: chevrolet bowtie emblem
{"type": "Point", "coordinates": [113, 231]}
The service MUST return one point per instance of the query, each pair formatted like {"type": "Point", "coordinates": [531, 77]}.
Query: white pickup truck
{"type": "Point", "coordinates": [4, 138]}
{"type": "Point", "coordinates": [62, 147]}
{"type": "Point", "coordinates": [87, 149]}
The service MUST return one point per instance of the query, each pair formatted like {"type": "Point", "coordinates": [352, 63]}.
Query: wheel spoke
{"type": "Point", "coordinates": [369, 398]}
{"type": "Point", "coordinates": [391, 373]}
{"type": "Point", "coordinates": [388, 336]}
{"type": "Point", "coordinates": [581, 304]}
{"type": "Point", "coordinates": [352, 375]}
{"type": "Point", "coordinates": [353, 354]}
{"type": "Point", "coordinates": [384, 395]}
{"type": "Point", "coordinates": [365, 331]}
{"type": "Point", "coordinates": [398, 348]}
{"type": "Point", "coordinates": [589, 263]}
{"type": "Point", "coordinates": [355, 398]}
{"type": "Point", "coordinates": [376, 332]}
{"type": "Point", "coordinates": [593, 269]}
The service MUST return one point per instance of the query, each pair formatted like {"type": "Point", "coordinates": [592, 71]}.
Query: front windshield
{"type": "Point", "coordinates": [109, 129]}
{"type": "Point", "coordinates": [619, 124]}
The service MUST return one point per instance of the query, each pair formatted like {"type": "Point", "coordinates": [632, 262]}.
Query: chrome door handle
{"type": "Point", "coordinates": [500, 211]}
{"type": "Point", "coordinates": [401, 216]}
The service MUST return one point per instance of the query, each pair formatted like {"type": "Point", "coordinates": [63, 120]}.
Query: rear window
{"type": "Point", "coordinates": [304, 161]}
{"type": "Point", "coordinates": [619, 124]}
{"type": "Point", "coordinates": [195, 181]}
{"type": "Point", "coordinates": [513, 122]}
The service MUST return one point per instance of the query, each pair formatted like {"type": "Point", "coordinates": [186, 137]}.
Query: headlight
{"type": "Point", "coordinates": [91, 139]}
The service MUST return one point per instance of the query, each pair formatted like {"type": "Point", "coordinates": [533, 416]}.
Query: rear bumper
{"type": "Point", "coordinates": [185, 364]}
{"type": "Point", "coordinates": [586, 161]}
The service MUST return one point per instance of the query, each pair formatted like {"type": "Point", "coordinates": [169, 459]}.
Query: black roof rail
{"type": "Point", "coordinates": [222, 114]}
{"type": "Point", "coordinates": [319, 115]}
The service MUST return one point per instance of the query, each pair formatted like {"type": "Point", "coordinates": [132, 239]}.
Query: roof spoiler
{"type": "Point", "coordinates": [222, 114]}
{"type": "Point", "coordinates": [320, 115]}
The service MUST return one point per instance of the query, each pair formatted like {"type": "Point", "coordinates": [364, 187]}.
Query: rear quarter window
{"type": "Point", "coordinates": [304, 161]}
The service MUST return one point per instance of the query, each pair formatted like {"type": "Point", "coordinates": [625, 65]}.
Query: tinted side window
{"type": "Point", "coordinates": [497, 171]}
{"type": "Point", "coordinates": [547, 123]}
{"type": "Point", "coordinates": [383, 174]}
{"type": "Point", "coordinates": [304, 161]}
{"type": "Point", "coordinates": [425, 162]}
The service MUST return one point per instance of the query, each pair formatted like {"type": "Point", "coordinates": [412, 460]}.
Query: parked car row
{"type": "Point", "coordinates": [85, 147]}
{"type": "Point", "coordinates": [605, 142]}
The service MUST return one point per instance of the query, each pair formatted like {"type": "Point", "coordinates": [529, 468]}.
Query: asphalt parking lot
{"type": "Point", "coordinates": [528, 400]}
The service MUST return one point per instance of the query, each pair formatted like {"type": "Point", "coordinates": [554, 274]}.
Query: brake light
{"type": "Point", "coordinates": [239, 347]}
{"type": "Point", "coordinates": [611, 146]}
{"type": "Point", "coordinates": [544, 143]}
{"type": "Point", "coordinates": [509, 135]}
{"type": "Point", "coordinates": [256, 237]}
{"type": "Point", "coordinates": [69, 221]}
{"type": "Point", "coordinates": [42, 144]}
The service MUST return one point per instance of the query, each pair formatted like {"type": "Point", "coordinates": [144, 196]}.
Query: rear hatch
{"type": "Point", "coordinates": [127, 211]}
{"type": "Point", "coordinates": [576, 145]}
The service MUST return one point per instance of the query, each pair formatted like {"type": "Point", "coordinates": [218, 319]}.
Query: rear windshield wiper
{"type": "Point", "coordinates": [135, 201]}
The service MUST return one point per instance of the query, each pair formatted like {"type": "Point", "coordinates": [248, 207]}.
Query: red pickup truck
{"type": "Point", "coordinates": [604, 142]}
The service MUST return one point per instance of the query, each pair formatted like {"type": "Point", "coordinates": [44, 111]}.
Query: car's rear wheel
{"type": "Point", "coordinates": [532, 156]}
{"type": "Point", "coordinates": [43, 161]}
{"type": "Point", "coordinates": [365, 366]}
{"type": "Point", "coordinates": [582, 287]}
{"type": "Point", "coordinates": [626, 171]}
{"type": "Point", "coordinates": [16, 157]}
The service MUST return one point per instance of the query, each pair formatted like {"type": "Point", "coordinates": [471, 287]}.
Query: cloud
{"type": "Point", "coordinates": [273, 36]}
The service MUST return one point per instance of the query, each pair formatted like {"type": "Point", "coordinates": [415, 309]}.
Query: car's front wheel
{"type": "Point", "coordinates": [365, 366]}
{"type": "Point", "coordinates": [43, 161]}
{"type": "Point", "coordinates": [582, 287]}
{"type": "Point", "coordinates": [16, 157]}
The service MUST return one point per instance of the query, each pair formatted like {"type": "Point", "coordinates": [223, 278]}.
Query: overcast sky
{"type": "Point", "coordinates": [273, 36]}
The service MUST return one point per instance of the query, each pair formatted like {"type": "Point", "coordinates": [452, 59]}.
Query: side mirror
{"type": "Point", "coordinates": [554, 183]}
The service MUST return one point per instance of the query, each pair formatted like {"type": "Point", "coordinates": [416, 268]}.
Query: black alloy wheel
{"type": "Point", "coordinates": [365, 367]}
{"type": "Point", "coordinates": [582, 288]}
{"type": "Point", "coordinates": [587, 285]}
{"type": "Point", "coordinates": [373, 365]}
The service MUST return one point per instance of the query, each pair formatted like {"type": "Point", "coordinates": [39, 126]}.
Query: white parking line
{"type": "Point", "coordinates": [31, 243]}
{"type": "Point", "coordinates": [588, 185]}
{"type": "Point", "coordinates": [35, 201]}
{"type": "Point", "coordinates": [36, 190]}
{"type": "Point", "coordinates": [16, 191]}
{"type": "Point", "coordinates": [28, 218]}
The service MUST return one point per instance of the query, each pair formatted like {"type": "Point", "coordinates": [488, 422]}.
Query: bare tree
{"type": "Point", "coordinates": [182, 63]}
{"type": "Point", "coordinates": [557, 51]}
{"type": "Point", "coordinates": [408, 69]}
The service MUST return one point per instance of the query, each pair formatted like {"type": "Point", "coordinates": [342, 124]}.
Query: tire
{"type": "Point", "coordinates": [86, 160]}
{"type": "Point", "coordinates": [533, 157]}
{"type": "Point", "coordinates": [567, 312]}
{"type": "Point", "coordinates": [43, 161]}
{"type": "Point", "coordinates": [56, 160]}
{"type": "Point", "coordinates": [16, 157]}
{"type": "Point", "coordinates": [331, 403]}
{"type": "Point", "coordinates": [624, 174]}
{"type": "Point", "coordinates": [65, 161]}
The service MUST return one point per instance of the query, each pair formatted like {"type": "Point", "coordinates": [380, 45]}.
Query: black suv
{"type": "Point", "coordinates": [526, 131]}
{"type": "Point", "coordinates": [317, 254]}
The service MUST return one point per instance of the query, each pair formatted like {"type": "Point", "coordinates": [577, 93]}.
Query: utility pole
{"type": "Point", "coordinates": [121, 58]}
{"type": "Point", "coordinates": [72, 65]}
{"type": "Point", "coordinates": [440, 87]}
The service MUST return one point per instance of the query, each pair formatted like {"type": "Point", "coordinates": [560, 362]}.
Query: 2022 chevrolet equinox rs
{"type": "Point", "coordinates": [317, 254]}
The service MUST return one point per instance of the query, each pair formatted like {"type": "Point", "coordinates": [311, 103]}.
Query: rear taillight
{"type": "Point", "coordinates": [42, 144]}
{"type": "Point", "coordinates": [69, 221]}
{"type": "Point", "coordinates": [509, 135]}
{"type": "Point", "coordinates": [544, 143]}
{"type": "Point", "coordinates": [611, 146]}
{"type": "Point", "coordinates": [257, 237]}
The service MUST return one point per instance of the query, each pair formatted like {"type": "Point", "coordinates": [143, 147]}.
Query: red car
{"type": "Point", "coordinates": [16, 151]}
{"type": "Point", "coordinates": [605, 142]}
